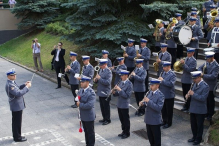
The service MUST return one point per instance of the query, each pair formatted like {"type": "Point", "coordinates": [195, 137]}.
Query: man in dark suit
{"type": "Point", "coordinates": [59, 62]}
{"type": "Point", "coordinates": [198, 106]}
{"type": "Point", "coordinates": [86, 106]}
{"type": "Point", "coordinates": [154, 101]}
{"type": "Point", "coordinates": [15, 94]}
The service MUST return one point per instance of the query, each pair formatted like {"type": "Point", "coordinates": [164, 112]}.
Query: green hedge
{"type": "Point", "coordinates": [59, 28]}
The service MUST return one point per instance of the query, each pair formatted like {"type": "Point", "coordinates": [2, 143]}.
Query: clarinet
{"type": "Point", "coordinates": [108, 97]}
{"type": "Point", "coordinates": [190, 89]}
{"type": "Point", "coordinates": [144, 97]}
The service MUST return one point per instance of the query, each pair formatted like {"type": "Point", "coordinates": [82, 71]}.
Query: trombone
{"type": "Point", "coordinates": [96, 68]}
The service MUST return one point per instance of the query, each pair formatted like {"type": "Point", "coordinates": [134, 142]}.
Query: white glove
{"type": "Point", "coordinates": [76, 98]}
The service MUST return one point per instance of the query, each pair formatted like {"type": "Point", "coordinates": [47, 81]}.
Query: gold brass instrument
{"type": "Point", "coordinates": [124, 50]}
{"type": "Point", "coordinates": [169, 27]}
{"type": "Point", "coordinates": [178, 66]}
{"type": "Point", "coordinates": [213, 15]}
{"type": "Point", "coordinates": [157, 30]}
{"type": "Point", "coordinates": [155, 64]}
{"type": "Point", "coordinates": [137, 51]}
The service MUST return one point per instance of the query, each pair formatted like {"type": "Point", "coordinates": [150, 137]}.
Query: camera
{"type": "Point", "coordinates": [33, 41]}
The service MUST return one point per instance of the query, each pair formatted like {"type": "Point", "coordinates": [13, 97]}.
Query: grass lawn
{"type": "Point", "coordinates": [19, 49]}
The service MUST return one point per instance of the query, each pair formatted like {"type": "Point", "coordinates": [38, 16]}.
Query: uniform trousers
{"type": "Point", "coordinates": [210, 104]}
{"type": "Point", "coordinates": [124, 119]}
{"type": "Point", "coordinates": [60, 68]}
{"type": "Point", "coordinates": [16, 124]}
{"type": "Point", "coordinates": [73, 88]}
{"type": "Point", "coordinates": [179, 51]}
{"type": "Point", "coordinates": [167, 111]}
{"type": "Point", "coordinates": [197, 122]}
{"type": "Point", "coordinates": [172, 51]}
{"type": "Point", "coordinates": [154, 134]}
{"type": "Point", "coordinates": [139, 96]}
{"type": "Point", "coordinates": [186, 88]}
{"type": "Point", "coordinates": [105, 108]}
{"type": "Point", "coordinates": [89, 132]}
{"type": "Point", "coordinates": [146, 82]}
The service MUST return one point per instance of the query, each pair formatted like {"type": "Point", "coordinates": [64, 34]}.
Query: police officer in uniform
{"type": "Point", "coordinates": [206, 8]}
{"type": "Point", "coordinates": [163, 56]}
{"type": "Point", "coordinates": [154, 102]}
{"type": "Point", "coordinates": [198, 109]}
{"type": "Point", "coordinates": [86, 106]}
{"type": "Point", "coordinates": [209, 75]}
{"type": "Point", "coordinates": [198, 22]}
{"type": "Point", "coordinates": [103, 80]}
{"type": "Point", "coordinates": [130, 55]}
{"type": "Point", "coordinates": [209, 25]}
{"type": "Point", "coordinates": [196, 35]}
{"type": "Point", "coordinates": [121, 66]}
{"type": "Point", "coordinates": [145, 53]}
{"type": "Point", "coordinates": [167, 87]}
{"type": "Point", "coordinates": [105, 54]}
{"type": "Point", "coordinates": [179, 46]}
{"type": "Point", "coordinates": [139, 75]}
{"type": "Point", "coordinates": [124, 91]}
{"type": "Point", "coordinates": [188, 65]}
{"type": "Point", "coordinates": [87, 69]}
{"type": "Point", "coordinates": [171, 45]}
{"type": "Point", "coordinates": [16, 100]}
{"type": "Point", "coordinates": [215, 38]}
{"type": "Point", "coordinates": [162, 36]}
{"type": "Point", "coordinates": [72, 69]}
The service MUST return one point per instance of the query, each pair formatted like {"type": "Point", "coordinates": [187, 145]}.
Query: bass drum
{"type": "Point", "coordinates": [182, 34]}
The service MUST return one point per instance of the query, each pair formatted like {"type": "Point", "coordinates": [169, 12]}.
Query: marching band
{"type": "Point", "coordinates": [132, 74]}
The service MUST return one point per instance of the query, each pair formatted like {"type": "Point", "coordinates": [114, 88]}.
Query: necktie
{"type": "Point", "coordinates": [123, 83]}
{"type": "Point", "coordinates": [85, 67]}
{"type": "Point", "coordinates": [152, 93]}
{"type": "Point", "coordinates": [83, 91]}
{"type": "Point", "coordinates": [196, 85]}
{"type": "Point", "coordinates": [161, 56]}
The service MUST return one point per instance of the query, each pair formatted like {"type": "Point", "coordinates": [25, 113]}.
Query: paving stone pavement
{"type": "Point", "coordinates": [48, 119]}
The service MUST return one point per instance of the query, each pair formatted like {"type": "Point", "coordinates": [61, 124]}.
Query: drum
{"type": "Point", "coordinates": [182, 34]}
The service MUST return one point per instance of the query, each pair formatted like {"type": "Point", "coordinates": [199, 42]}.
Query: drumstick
{"type": "Point", "coordinates": [32, 77]}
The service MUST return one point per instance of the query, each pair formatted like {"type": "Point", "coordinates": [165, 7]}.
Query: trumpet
{"type": "Point", "coordinates": [124, 51]}
{"type": "Point", "coordinates": [96, 68]}
{"type": "Point", "coordinates": [155, 64]}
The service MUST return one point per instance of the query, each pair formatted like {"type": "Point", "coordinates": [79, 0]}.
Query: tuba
{"type": "Point", "coordinates": [169, 27]}
{"type": "Point", "coordinates": [157, 30]}
{"type": "Point", "coordinates": [213, 15]}
{"type": "Point", "coordinates": [155, 64]}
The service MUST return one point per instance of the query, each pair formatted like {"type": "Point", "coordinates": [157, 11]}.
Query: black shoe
{"type": "Point", "coordinates": [74, 106]}
{"type": "Point", "coordinates": [196, 143]}
{"type": "Point", "coordinates": [191, 140]}
{"type": "Point", "coordinates": [125, 136]}
{"type": "Point", "coordinates": [140, 114]}
{"type": "Point", "coordinates": [120, 135]}
{"type": "Point", "coordinates": [162, 124]}
{"type": "Point", "coordinates": [136, 113]}
{"type": "Point", "coordinates": [22, 139]}
{"type": "Point", "coordinates": [106, 122]}
{"type": "Point", "coordinates": [166, 126]}
{"type": "Point", "coordinates": [101, 121]}
{"type": "Point", "coordinates": [58, 87]}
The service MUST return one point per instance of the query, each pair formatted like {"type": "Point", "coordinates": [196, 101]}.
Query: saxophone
{"type": "Point", "coordinates": [204, 71]}
{"type": "Point", "coordinates": [155, 64]}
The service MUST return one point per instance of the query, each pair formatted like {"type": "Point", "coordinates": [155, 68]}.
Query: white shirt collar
{"type": "Point", "coordinates": [125, 81]}
{"type": "Point", "coordinates": [168, 71]}
{"type": "Point", "coordinates": [86, 88]}
{"type": "Point", "coordinates": [155, 91]}
{"type": "Point", "coordinates": [200, 81]}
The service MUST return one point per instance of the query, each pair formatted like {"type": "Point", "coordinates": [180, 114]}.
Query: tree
{"type": "Point", "coordinates": [35, 13]}
{"type": "Point", "coordinates": [106, 24]}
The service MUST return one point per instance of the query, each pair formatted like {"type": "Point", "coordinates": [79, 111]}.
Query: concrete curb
{"type": "Point", "coordinates": [38, 73]}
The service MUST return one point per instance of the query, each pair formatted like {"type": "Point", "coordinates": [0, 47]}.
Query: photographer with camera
{"type": "Point", "coordinates": [36, 54]}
